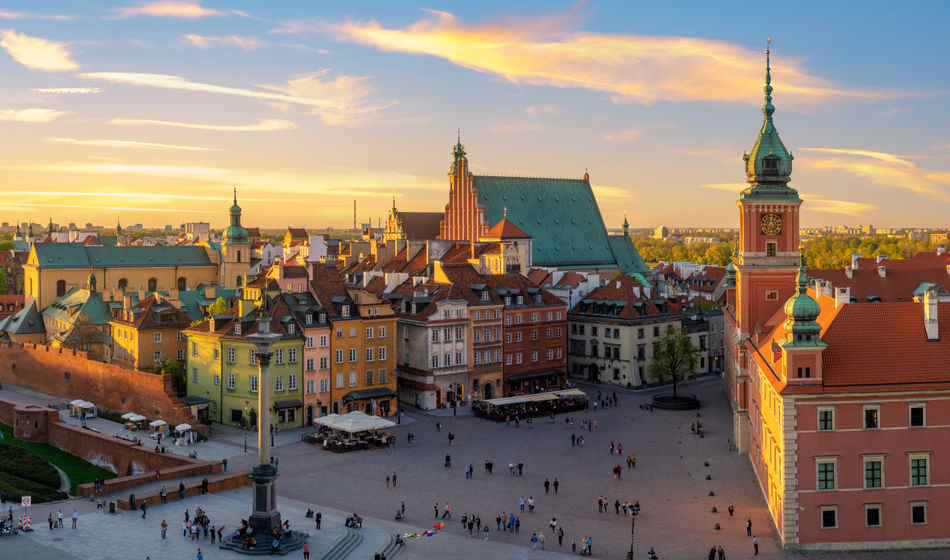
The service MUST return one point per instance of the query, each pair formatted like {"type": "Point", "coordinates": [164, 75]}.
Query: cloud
{"type": "Point", "coordinates": [731, 187]}
{"type": "Point", "coordinates": [126, 144]}
{"type": "Point", "coordinates": [263, 125]}
{"type": "Point", "coordinates": [68, 90]}
{"type": "Point", "coordinates": [336, 101]}
{"type": "Point", "coordinates": [24, 205]}
{"type": "Point", "coordinates": [847, 207]}
{"type": "Point", "coordinates": [885, 170]}
{"type": "Point", "coordinates": [537, 110]}
{"type": "Point", "coordinates": [127, 168]}
{"type": "Point", "coordinates": [206, 42]}
{"type": "Point", "coordinates": [5, 14]}
{"type": "Point", "coordinates": [622, 135]}
{"type": "Point", "coordinates": [37, 53]}
{"type": "Point", "coordinates": [546, 51]}
{"type": "Point", "coordinates": [31, 115]}
{"type": "Point", "coordinates": [167, 9]}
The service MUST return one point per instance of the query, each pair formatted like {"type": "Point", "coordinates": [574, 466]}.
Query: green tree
{"type": "Point", "coordinates": [174, 369]}
{"type": "Point", "coordinates": [219, 306]}
{"type": "Point", "coordinates": [674, 357]}
{"type": "Point", "coordinates": [6, 245]}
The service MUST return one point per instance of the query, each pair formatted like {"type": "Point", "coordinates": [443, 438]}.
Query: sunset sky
{"type": "Point", "coordinates": [152, 111]}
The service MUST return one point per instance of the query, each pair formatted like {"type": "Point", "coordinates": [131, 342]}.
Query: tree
{"type": "Point", "coordinates": [219, 306]}
{"type": "Point", "coordinates": [674, 357]}
{"type": "Point", "coordinates": [174, 369]}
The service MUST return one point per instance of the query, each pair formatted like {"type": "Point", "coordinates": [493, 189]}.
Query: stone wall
{"type": "Point", "coordinates": [71, 375]}
{"type": "Point", "coordinates": [118, 455]}
{"type": "Point", "coordinates": [134, 480]}
{"type": "Point", "coordinates": [228, 481]}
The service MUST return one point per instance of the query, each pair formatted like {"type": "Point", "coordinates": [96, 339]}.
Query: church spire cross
{"type": "Point", "coordinates": [768, 108]}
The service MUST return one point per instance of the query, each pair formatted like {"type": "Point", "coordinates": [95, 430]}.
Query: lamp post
{"type": "Point", "coordinates": [265, 517]}
{"type": "Point", "coordinates": [633, 522]}
{"type": "Point", "coordinates": [245, 426]}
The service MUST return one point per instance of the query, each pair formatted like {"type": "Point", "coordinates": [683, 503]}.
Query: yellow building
{"type": "Point", "coordinates": [148, 333]}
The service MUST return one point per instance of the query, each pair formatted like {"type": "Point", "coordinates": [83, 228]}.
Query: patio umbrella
{"type": "Point", "coordinates": [128, 415]}
{"type": "Point", "coordinates": [136, 418]}
{"type": "Point", "coordinates": [157, 423]}
{"type": "Point", "coordinates": [182, 427]}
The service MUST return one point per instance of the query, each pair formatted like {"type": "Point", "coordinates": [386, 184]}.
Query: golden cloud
{"type": "Point", "coordinates": [262, 125]}
{"type": "Point", "coordinates": [37, 53]}
{"type": "Point", "coordinates": [126, 144]}
{"type": "Point", "coordinates": [206, 42]}
{"type": "Point", "coordinates": [630, 68]}
{"type": "Point", "coordinates": [847, 207]}
{"type": "Point", "coordinates": [68, 90]}
{"type": "Point", "coordinates": [6, 14]}
{"type": "Point", "coordinates": [885, 170]}
{"type": "Point", "coordinates": [30, 115]}
{"type": "Point", "coordinates": [168, 9]}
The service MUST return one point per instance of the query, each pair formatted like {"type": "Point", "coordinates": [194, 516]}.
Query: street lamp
{"type": "Point", "coordinates": [245, 426]}
{"type": "Point", "coordinates": [633, 522]}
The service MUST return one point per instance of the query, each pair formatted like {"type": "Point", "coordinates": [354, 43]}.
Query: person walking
{"type": "Point", "coordinates": [306, 551]}
{"type": "Point", "coordinates": [748, 527]}
{"type": "Point", "coordinates": [438, 426]}
{"type": "Point", "coordinates": [755, 545]}
{"type": "Point", "coordinates": [318, 518]}
{"type": "Point", "coordinates": [199, 556]}
{"type": "Point", "coordinates": [402, 508]}
{"type": "Point", "coordinates": [732, 510]}
{"type": "Point", "coordinates": [447, 512]}
{"type": "Point", "coordinates": [619, 448]}
{"type": "Point", "coordinates": [144, 508]}
{"type": "Point", "coordinates": [520, 467]}
{"type": "Point", "coordinates": [534, 541]}
{"type": "Point", "coordinates": [163, 494]}
{"type": "Point", "coordinates": [547, 486]}
{"type": "Point", "coordinates": [50, 519]}
{"type": "Point", "coordinates": [213, 533]}
{"type": "Point", "coordinates": [75, 518]}
{"type": "Point", "coordinates": [521, 503]}
{"type": "Point", "coordinates": [164, 530]}
{"type": "Point", "coordinates": [387, 481]}
{"type": "Point", "coordinates": [556, 484]}
{"type": "Point", "coordinates": [184, 528]}
{"type": "Point", "coordinates": [181, 490]}
{"type": "Point", "coordinates": [611, 448]}
{"type": "Point", "coordinates": [451, 438]}
{"type": "Point", "coordinates": [436, 508]}
{"type": "Point", "coordinates": [721, 553]}
{"type": "Point", "coordinates": [573, 440]}
{"type": "Point", "coordinates": [560, 536]}
{"type": "Point", "coordinates": [485, 531]}
{"type": "Point", "coordinates": [541, 540]}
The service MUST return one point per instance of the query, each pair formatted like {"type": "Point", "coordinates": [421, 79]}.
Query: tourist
{"type": "Point", "coordinates": [556, 484]}
{"type": "Point", "coordinates": [306, 551]}
{"type": "Point", "coordinates": [448, 511]}
{"type": "Point", "coordinates": [560, 536]}
{"type": "Point", "coordinates": [163, 494]}
{"type": "Point", "coordinates": [59, 518]}
{"type": "Point", "coordinates": [732, 510]}
{"type": "Point", "coordinates": [541, 539]}
{"type": "Point", "coordinates": [547, 486]}
{"type": "Point", "coordinates": [748, 528]}
{"type": "Point", "coordinates": [199, 556]}
{"type": "Point", "coordinates": [50, 521]}
{"type": "Point", "coordinates": [534, 541]}
{"type": "Point", "coordinates": [721, 552]}
{"type": "Point", "coordinates": [755, 545]}
{"type": "Point", "coordinates": [164, 530]}
{"type": "Point", "coordinates": [184, 527]}
{"type": "Point", "coordinates": [181, 491]}
{"type": "Point", "coordinates": [394, 479]}
{"type": "Point", "coordinates": [318, 517]}
{"type": "Point", "coordinates": [520, 467]}
{"type": "Point", "coordinates": [75, 518]}
{"type": "Point", "coordinates": [213, 533]}
{"type": "Point", "coordinates": [144, 507]}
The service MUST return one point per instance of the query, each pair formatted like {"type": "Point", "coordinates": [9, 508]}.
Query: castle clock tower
{"type": "Point", "coordinates": [768, 254]}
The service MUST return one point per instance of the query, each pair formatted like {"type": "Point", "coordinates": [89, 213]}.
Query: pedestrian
{"type": "Point", "coordinates": [547, 486]}
{"type": "Point", "coordinates": [75, 518]}
{"type": "Point", "coordinates": [633, 461]}
{"type": "Point", "coordinates": [732, 510]}
{"type": "Point", "coordinates": [318, 517]}
{"type": "Point", "coordinates": [186, 514]}
{"type": "Point", "coordinates": [560, 536]}
{"type": "Point", "coordinates": [590, 546]}
{"type": "Point", "coordinates": [573, 440]}
{"type": "Point", "coordinates": [748, 527]}
{"type": "Point", "coordinates": [164, 531]}
{"type": "Point", "coordinates": [221, 530]}
{"type": "Point", "coordinates": [402, 508]}
{"type": "Point", "coordinates": [530, 504]}
{"type": "Point", "coordinates": [99, 504]}
{"type": "Point", "coordinates": [541, 540]}
{"type": "Point", "coordinates": [306, 551]}
{"type": "Point", "coordinates": [394, 479]}
{"type": "Point", "coordinates": [448, 461]}
{"type": "Point", "coordinates": [520, 467]}
{"type": "Point", "coordinates": [521, 502]}
{"type": "Point", "coordinates": [277, 463]}
{"type": "Point", "coordinates": [619, 448]}
{"type": "Point", "coordinates": [59, 518]}
{"type": "Point", "coordinates": [447, 512]}
{"type": "Point", "coordinates": [556, 484]}
{"type": "Point", "coordinates": [199, 556]}
{"type": "Point", "coordinates": [573, 546]}
{"type": "Point", "coordinates": [184, 528]}
{"type": "Point", "coordinates": [712, 554]}
{"type": "Point", "coordinates": [438, 426]}
{"type": "Point", "coordinates": [214, 531]}
{"type": "Point", "coordinates": [498, 523]}
{"type": "Point", "coordinates": [451, 438]}
{"type": "Point", "coordinates": [181, 490]}
{"type": "Point", "coordinates": [611, 448]}
{"type": "Point", "coordinates": [144, 508]}
{"type": "Point", "coordinates": [485, 530]}
{"type": "Point", "coordinates": [50, 521]}
{"type": "Point", "coordinates": [721, 552]}
{"type": "Point", "coordinates": [224, 463]}
{"type": "Point", "coordinates": [755, 545]}
{"type": "Point", "coordinates": [534, 541]}
{"type": "Point", "coordinates": [436, 508]}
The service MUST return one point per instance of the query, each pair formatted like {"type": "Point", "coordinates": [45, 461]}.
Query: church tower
{"type": "Point", "coordinates": [235, 251]}
{"type": "Point", "coordinates": [464, 220]}
{"type": "Point", "coordinates": [768, 253]}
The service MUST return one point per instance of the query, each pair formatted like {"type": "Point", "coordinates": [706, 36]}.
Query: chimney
{"type": "Point", "coordinates": [879, 258]}
{"type": "Point", "coordinates": [842, 296]}
{"type": "Point", "coordinates": [941, 249]}
{"type": "Point", "coordinates": [126, 302]}
{"type": "Point", "coordinates": [930, 315]}
{"type": "Point", "coordinates": [849, 272]}
{"type": "Point", "coordinates": [854, 259]}
{"type": "Point", "coordinates": [881, 271]}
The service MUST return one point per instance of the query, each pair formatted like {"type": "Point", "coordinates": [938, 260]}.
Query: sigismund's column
{"type": "Point", "coordinates": [264, 517]}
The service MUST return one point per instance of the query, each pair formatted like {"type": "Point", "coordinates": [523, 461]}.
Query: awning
{"type": "Point", "coordinates": [192, 401]}
{"type": "Point", "coordinates": [535, 375]}
{"type": "Point", "coordinates": [289, 403]}
{"type": "Point", "coordinates": [570, 393]}
{"type": "Point", "coordinates": [364, 394]}
{"type": "Point", "coordinates": [541, 397]}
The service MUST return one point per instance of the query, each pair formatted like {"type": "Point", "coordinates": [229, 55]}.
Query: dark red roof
{"type": "Point", "coordinates": [636, 304]}
{"type": "Point", "coordinates": [147, 314]}
{"type": "Point", "coordinates": [506, 230]}
{"type": "Point", "coordinates": [898, 282]}
{"type": "Point", "coordinates": [420, 225]}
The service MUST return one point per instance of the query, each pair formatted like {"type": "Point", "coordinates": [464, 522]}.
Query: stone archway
{"type": "Point", "coordinates": [488, 390]}
{"type": "Point", "coordinates": [593, 372]}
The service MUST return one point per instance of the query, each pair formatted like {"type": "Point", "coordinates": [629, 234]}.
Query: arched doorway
{"type": "Point", "coordinates": [152, 284]}
{"type": "Point", "coordinates": [123, 283]}
{"type": "Point", "coordinates": [489, 391]}
{"type": "Point", "coordinates": [60, 288]}
{"type": "Point", "coordinates": [181, 284]}
{"type": "Point", "coordinates": [336, 407]}
{"type": "Point", "coordinates": [593, 374]}
{"type": "Point", "coordinates": [310, 415]}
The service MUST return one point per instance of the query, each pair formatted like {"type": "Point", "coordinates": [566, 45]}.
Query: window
{"type": "Point", "coordinates": [324, 385]}
{"type": "Point", "coordinates": [534, 317]}
{"type": "Point", "coordinates": [339, 356]}
{"type": "Point", "coordinates": [829, 517]}
{"type": "Point", "coordinates": [534, 335]}
{"type": "Point", "coordinates": [156, 356]}
{"type": "Point", "coordinates": [353, 382]}
{"type": "Point", "coordinates": [158, 337]}
{"type": "Point", "coordinates": [324, 362]}
{"type": "Point", "coordinates": [508, 320]}
{"type": "Point", "coordinates": [656, 331]}
{"type": "Point", "coordinates": [292, 355]}
{"type": "Point", "coordinates": [447, 360]}
{"type": "Point", "coordinates": [557, 333]}
{"type": "Point", "coordinates": [826, 475]}
{"type": "Point", "coordinates": [476, 336]}
{"type": "Point", "coordinates": [352, 332]}
{"type": "Point", "coordinates": [230, 354]}
{"type": "Point", "coordinates": [382, 332]}
{"type": "Point", "coordinates": [231, 381]}
{"type": "Point", "coordinates": [435, 360]}
{"type": "Point", "coordinates": [237, 328]}
{"type": "Point", "coordinates": [310, 387]}
{"type": "Point", "coordinates": [346, 311]}
{"type": "Point", "coordinates": [518, 336]}
{"type": "Point", "coordinates": [917, 415]}
{"type": "Point", "coordinates": [253, 357]}
{"type": "Point", "coordinates": [308, 318]}
{"type": "Point", "coordinates": [771, 248]}
{"type": "Point", "coordinates": [435, 335]}
{"type": "Point", "coordinates": [919, 474]}
{"type": "Point", "coordinates": [459, 313]}
{"type": "Point", "coordinates": [352, 354]}
{"type": "Point", "coordinates": [253, 384]}
{"type": "Point", "coordinates": [292, 382]}
{"type": "Point", "coordinates": [181, 354]}
{"type": "Point", "coordinates": [826, 419]}
{"type": "Point", "coordinates": [217, 353]}
{"type": "Point", "coordinates": [872, 420]}
{"type": "Point", "coordinates": [496, 355]}
{"type": "Point", "coordinates": [382, 353]}
{"type": "Point", "coordinates": [558, 353]}
{"type": "Point", "coordinates": [369, 332]}
{"type": "Point", "coordinates": [507, 338]}
{"type": "Point", "coordinates": [181, 336]}
{"type": "Point", "coordinates": [323, 341]}
{"type": "Point", "coordinates": [309, 364]}
{"type": "Point", "coordinates": [478, 358]}
{"type": "Point", "coordinates": [339, 381]}
{"type": "Point", "coordinates": [309, 342]}
{"type": "Point", "coordinates": [507, 359]}
{"type": "Point", "coordinates": [518, 358]}
{"type": "Point", "coordinates": [382, 377]}
{"type": "Point", "coordinates": [550, 354]}
{"type": "Point", "coordinates": [369, 377]}
{"type": "Point", "coordinates": [278, 382]}
{"type": "Point", "coordinates": [459, 333]}
{"type": "Point", "coordinates": [771, 295]}
{"type": "Point", "coordinates": [279, 356]}
{"type": "Point", "coordinates": [339, 333]}
{"type": "Point", "coordinates": [446, 335]}
{"type": "Point", "coordinates": [369, 354]}
{"type": "Point", "coordinates": [873, 472]}
{"type": "Point", "coordinates": [534, 356]}
{"type": "Point", "coordinates": [593, 330]}
{"type": "Point", "coordinates": [872, 515]}
{"type": "Point", "coordinates": [194, 349]}
{"type": "Point", "coordinates": [459, 360]}
{"type": "Point", "coordinates": [484, 295]}
{"type": "Point", "coordinates": [291, 328]}
{"type": "Point", "coordinates": [918, 513]}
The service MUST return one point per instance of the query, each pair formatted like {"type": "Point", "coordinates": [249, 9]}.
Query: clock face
{"type": "Point", "coordinates": [771, 224]}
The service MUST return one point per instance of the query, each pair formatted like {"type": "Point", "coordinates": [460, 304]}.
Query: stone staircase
{"type": "Point", "coordinates": [392, 548]}
{"type": "Point", "coordinates": [345, 545]}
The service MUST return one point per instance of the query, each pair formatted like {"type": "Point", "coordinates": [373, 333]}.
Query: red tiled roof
{"type": "Point", "coordinates": [634, 306]}
{"type": "Point", "coordinates": [899, 281]}
{"type": "Point", "coordinates": [420, 225]}
{"type": "Point", "coordinates": [146, 314]}
{"type": "Point", "coordinates": [92, 240]}
{"type": "Point", "coordinates": [376, 286]}
{"type": "Point", "coordinates": [297, 233]}
{"type": "Point", "coordinates": [253, 232]}
{"type": "Point", "coordinates": [538, 275]}
{"type": "Point", "coordinates": [295, 271]}
{"type": "Point", "coordinates": [506, 230]}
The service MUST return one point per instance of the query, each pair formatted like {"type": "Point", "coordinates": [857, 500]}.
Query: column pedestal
{"type": "Point", "coordinates": [265, 516]}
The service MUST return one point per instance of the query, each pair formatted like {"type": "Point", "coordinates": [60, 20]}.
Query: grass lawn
{"type": "Point", "coordinates": [78, 470]}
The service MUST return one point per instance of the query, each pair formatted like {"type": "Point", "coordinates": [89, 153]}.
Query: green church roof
{"type": "Point", "coordinates": [560, 215]}
{"type": "Point", "coordinates": [25, 321]}
{"type": "Point", "coordinates": [77, 255]}
{"type": "Point", "coordinates": [626, 254]}
{"type": "Point", "coordinates": [80, 306]}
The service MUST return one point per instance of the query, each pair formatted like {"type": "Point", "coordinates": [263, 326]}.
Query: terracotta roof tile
{"type": "Point", "coordinates": [506, 230]}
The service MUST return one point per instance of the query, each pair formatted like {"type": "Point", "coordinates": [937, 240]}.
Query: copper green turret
{"type": "Point", "coordinates": [236, 233]}
{"type": "Point", "coordinates": [802, 311]}
{"type": "Point", "coordinates": [769, 164]}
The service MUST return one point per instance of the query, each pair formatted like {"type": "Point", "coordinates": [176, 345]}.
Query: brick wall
{"type": "Point", "coordinates": [118, 455]}
{"type": "Point", "coordinates": [71, 375]}
{"type": "Point", "coordinates": [132, 481]}
{"type": "Point", "coordinates": [229, 481]}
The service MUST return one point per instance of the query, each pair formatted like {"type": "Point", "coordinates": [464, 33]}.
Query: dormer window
{"type": "Point", "coordinates": [520, 300]}
{"type": "Point", "coordinates": [770, 165]}
{"type": "Point", "coordinates": [309, 318]}
{"type": "Point", "coordinates": [323, 317]}
{"type": "Point", "coordinates": [346, 311]}
{"type": "Point", "coordinates": [484, 295]}
{"type": "Point", "coordinates": [507, 300]}
{"type": "Point", "coordinates": [291, 328]}
{"type": "Point", "coordinates": [237, 328]}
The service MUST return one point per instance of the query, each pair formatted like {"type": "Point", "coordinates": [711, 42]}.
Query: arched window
{"type": "Point", "coordinates": [238, 282]}
{"type": "Point", "coordinates": [60, 288]}
{"type": "Point", "coordinates": [181, 284]}
{"type": "Point", "coordinates": [239, 256]}
{"type": "Point", "coordinates": [152, 284]}
{"type": "Point", "coordinates": [123, 284]}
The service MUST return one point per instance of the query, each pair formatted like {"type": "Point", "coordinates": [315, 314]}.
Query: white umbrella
{"type": "Point", "coordinates": [77, 402]}
{"type": "Point", "coordinates": [157, 423]}
{"type": "Point", "coordinates": [136, 418]}
{"type": "Point", "coordinates": [327, 420]}
{"type": "Point", "coordinates": [128, 415]}
{"type": "Point", "coordinates": [182, 427]}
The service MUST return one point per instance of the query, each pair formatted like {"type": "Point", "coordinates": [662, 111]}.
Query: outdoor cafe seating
{"type": "Point", "coordinates": [528, 406]}
{"type": "Point", "coordinates": [349, 432]}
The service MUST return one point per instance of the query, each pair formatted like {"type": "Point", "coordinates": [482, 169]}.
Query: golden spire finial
{"type": "Point", "coordinates": [506, 213]}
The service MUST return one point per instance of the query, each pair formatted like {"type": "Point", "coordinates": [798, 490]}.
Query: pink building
{"type": "Point", "coordinates": [312, 318]}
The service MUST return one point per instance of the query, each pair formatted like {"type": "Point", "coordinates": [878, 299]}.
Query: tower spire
{"type": "Point", "coordinates": [235, 194]}
{"type": "Point", "coordinates": [768, 108]}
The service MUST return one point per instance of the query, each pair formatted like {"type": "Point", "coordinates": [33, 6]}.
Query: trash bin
{"type": "Point", "coordinates": [111, 507]}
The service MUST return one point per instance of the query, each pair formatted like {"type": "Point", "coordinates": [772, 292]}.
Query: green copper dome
{"type": "Point", "coordinates": [236, 233]}
{"type": "Point", "coordinates": [730, 275]}
{"type": "Point", "coordinates": [769, 165]}
{"type": "Point", "coordinates": [801, 326]}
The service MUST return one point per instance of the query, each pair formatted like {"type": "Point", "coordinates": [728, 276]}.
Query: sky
{"type": "Point", "coordinates": [153, 111]}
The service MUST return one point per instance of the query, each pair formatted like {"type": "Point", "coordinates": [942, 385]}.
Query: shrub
{"type": "Point", "coordinates": [19, 462]}
{"type": "Point", "coordinates": [16, 487]}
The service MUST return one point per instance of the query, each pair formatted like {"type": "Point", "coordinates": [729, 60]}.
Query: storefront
{"type": "Point", "coordinates": [381, 401]}
{"type": "Point", "coordinates": [288, 412]}
{"type": "Point", "coordinates": [536, 382]}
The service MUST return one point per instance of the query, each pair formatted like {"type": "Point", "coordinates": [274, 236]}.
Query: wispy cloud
{"type": "Point", "coordinates": [622, 135]}
{"type": "Point", "coordinates": [180, 171]}
{"type": "Point", "coordinates": [6, 14]}
{"type": "Point", "coordinates": [31, 115]}
{"type": "Point", "coordinates": [885, 170]}
{"type": "Point", "coordinates": [537, 110]}
{"type": "Point", "coordinates": [731, 187]}
{"type": "Point", "coordinates": [167, 9]}
{"type": "Point", "coordinates": [19, 205]}
{"type": "Point", "coordinates": [817, 203]}
{"type": "Point", "coordinates": [126, 144]}
{"type": "Point", "coordinates": [68, 90]}
{"type": "Point", "coordinates": [511, 128]}
{"type": "Point", "coordinates": [546, 51]}
{"type": "Point", "coordinates": [337, 101]}
{"type": "Point", "coordinates": [262, 125]}
{"type": "Point", "coordinates": [881, 156]}
{"type": "Point", "coordinates": [206, 42]}
{"type": "Point", "coordinates": [37, 53]}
